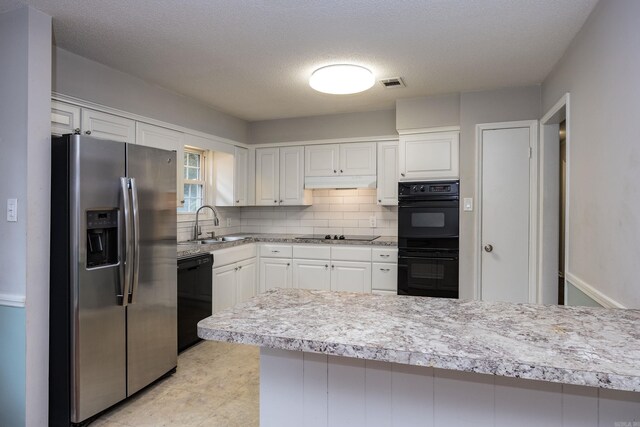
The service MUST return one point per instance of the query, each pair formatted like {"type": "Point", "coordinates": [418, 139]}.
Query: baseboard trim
{"type": "Point", "coordinates": [592, 292]}
{"type": "Point", "coordinates": [12, 300]}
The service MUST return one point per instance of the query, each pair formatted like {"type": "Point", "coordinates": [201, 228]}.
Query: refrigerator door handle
{"type": "Point", "coordinates": [125, 246]}
{"type": "Point", "coordinates": [136, 240]}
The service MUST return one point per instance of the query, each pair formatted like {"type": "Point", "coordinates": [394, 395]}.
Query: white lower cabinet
{"type": "Point", "coordinates": [328, 267]}
{"type": "Point", "coordinates": [351, 276]}
{"type": "Point", "coordinates": [275, 273]}
{"type": "Point", "coordinates": [384, 271]}
{"type": "Point", "coordinates": [311, 274]}
{"type": "Point", "coordinates": [234, 276]}
{"type": "Point", "coordinates": [224, 287]}
{"type": "Point", "coordinates": [246, 280]}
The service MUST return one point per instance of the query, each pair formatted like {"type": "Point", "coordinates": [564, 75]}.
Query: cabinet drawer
{"type": "Point", "coordinates": [312, 252]}
{"type": "Point", "coordinates": [276, 251]}
{"type": "Point", "coordinates": [384, 255]}
{"type": "Point", "coordinates": [345, 253]}
{"type": "Point", "coordinates": [384, 276]}
{"type": "Point", "coordinates": [227, 256]}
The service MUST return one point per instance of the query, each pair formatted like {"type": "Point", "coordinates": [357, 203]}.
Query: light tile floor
{"type": "Point", "coordinates": [216, 384]}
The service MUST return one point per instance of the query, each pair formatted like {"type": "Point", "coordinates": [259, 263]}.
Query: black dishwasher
{"type": "Point", "coordinates": [194, 297]}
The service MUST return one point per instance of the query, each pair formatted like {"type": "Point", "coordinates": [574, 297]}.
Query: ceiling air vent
{"type": "Point", "coordinates": [393, 82]}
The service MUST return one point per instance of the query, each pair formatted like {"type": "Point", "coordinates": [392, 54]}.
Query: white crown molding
{"type": "Point", "coordinates": [429, 130]}
{"type": "Point", "coordinates": [12, 300]}
{"type": "Point", "coordinates": [592, 292]}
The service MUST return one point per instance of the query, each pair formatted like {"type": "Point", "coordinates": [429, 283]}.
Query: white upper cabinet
{"type": "Point", "coordinates": [68, 118]}
{"type": "Point", "coordinates": [267, 176]}
{"type": "Point", "coordinates": [166, 139]}
{"type": "Point", "coordinates": [357, 159]}
{"type": "Point", "coordinates": [65, 118]}
{"type": "Point", "coordinates": [108, 126]}
{"type": "Point", "coordinates": [349, 159]}
{"type": "Point", "coordinates": [322, 160]}
{"type": "Point", "coordinates": [240, 173]}
{"type": "Point", "coordinates": [280, 177]}
{"type": "Point", "coordinates": [388, 173]}
{"type": "Point", "coordinates": [292, 190]}
{"type": "Point", "coordinates": [429, 156]}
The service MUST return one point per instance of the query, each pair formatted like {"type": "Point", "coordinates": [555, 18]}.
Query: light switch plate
{"type": "Point", "coordinates": [467, 204]}
{"type": "Point", "coordinates": [12, 210]}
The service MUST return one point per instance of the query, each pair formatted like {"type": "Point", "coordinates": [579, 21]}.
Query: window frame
{"type": "Point", "coordinates": [202, 181]}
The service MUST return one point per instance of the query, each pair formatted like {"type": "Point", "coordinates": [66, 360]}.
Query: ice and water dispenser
{"type": "Point", "coordinates": [102, 238]}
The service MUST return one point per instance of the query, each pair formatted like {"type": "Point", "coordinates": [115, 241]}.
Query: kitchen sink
{"type": "Point", "coordinates": [212, 241]}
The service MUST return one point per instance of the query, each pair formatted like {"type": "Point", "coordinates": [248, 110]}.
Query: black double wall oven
{"type": "Point", "coordinates": [428, 224]}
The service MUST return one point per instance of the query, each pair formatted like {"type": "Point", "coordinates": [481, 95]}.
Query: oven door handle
{"type": "Point", "coordinates": [428, 203]}
{"type": "Point", "coordinates": [400, 258]}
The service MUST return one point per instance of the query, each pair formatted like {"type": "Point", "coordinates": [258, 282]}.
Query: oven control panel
{"type": "Point", "coordinates": [449, 188]}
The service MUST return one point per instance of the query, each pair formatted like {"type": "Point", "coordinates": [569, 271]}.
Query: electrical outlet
{"type": "Point", "coordinates": [467, 204]}
{"type": "Point", "coordinates": [372, 221]}
{"type": "Point", "coordinates": [12, 210]}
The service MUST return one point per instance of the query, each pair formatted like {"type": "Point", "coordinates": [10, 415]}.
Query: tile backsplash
{"type": "Point", "coordinates": [332, 212]}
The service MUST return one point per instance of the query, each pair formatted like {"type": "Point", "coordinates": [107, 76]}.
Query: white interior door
{"type": "Point", "coordinates": [505, 224]}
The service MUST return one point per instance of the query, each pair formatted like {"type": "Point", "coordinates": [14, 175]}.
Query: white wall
{"type": "Point", "coordinates": [25, 88]}
{"type": "Point", "coordinates": [82, 78]}
{"type": "Point", "coordinates": [428, 111]}
{"type": "Point", "coordinates": [600, 70]}
{"type": "Point", "coordinates": [348, 125]}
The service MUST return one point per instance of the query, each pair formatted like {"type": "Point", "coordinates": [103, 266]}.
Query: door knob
{"type": "Point", "coordinates": [488, 248]}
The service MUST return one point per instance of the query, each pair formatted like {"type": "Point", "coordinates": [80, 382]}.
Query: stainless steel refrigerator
{"type": "Point", "coordinates": [113, 311]}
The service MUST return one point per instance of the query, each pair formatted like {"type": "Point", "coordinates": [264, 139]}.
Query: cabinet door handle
{"type": "Point", "coordinates": [237, 201]}
{"type": "Point", "coordinates": [326, 266]}
{"type": "Point", "coordinates": [275, 201]}
{"type": "Point", "coordinates": [333, 266]}
{"type": "Point", "coordinates": [341, 171]}
{"type": "Point", "coordinates": [236, 269]}
{"type": "Point", "coordinates": [88, 132]}
{"type": "Point", "coordinates": [384, 255]}
{"type": "Point", "coordinates": [281, 201]}
{"type": "Point", "coordinates": [275, 252]}
{"type": "Point", "coordinates": [288, 264]}
{"type": "Point", "coordinates": [76, 131]}
{"type": "Point", "coordinates": [379, 201]}
{"type": "Point", "coordinates": [402, 174]}
{"type": "Point", "coordinates": [385, 269]}
{"type": "Point", "coordinates": [335, 171]}
{"type": "Point", "coordinates": [240, 268]}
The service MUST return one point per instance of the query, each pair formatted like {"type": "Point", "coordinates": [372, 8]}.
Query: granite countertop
{"type": "Point", "coordinates": [573, 345]}
{"type": "Point", "coordinates": [185, 250]}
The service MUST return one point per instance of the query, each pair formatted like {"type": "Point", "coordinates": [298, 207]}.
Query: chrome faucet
{"type": "Point", "coordinates": [216, 221]}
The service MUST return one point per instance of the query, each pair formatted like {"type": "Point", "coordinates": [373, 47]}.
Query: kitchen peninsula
{"type": "Point", "coordinates": [335, 358]}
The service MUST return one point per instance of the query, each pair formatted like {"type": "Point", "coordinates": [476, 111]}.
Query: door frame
{"type": "Point", "coordinates": [554, 116]}
{"type": "Point", "coordinates": [533, 203]}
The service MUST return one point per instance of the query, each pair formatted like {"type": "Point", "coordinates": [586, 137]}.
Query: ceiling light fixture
{"type": "Point", "coordinates": [341, 79]}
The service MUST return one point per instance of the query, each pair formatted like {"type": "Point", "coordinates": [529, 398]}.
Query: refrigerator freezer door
{"type": "Point", "coordinates": [98, 340]}
{"type": "Point", "coordinates": [152, 312]}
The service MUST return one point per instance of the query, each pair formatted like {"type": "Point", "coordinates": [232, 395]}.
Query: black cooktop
{"type": "Point", "coordinates": [338, 237]}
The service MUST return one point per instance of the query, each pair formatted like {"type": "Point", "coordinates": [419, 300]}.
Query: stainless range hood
{"type": "Point", "coordinates": [360, 181]}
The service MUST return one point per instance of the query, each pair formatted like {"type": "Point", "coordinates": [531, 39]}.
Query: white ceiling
{"type": "Point", "coordinates": [252, 58]}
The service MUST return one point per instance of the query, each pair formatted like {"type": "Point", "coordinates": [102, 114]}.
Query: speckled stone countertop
{"type": "Point", "coordinates": [185, 250]}
{"type": "Point", "coordinates": [573, 345]}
